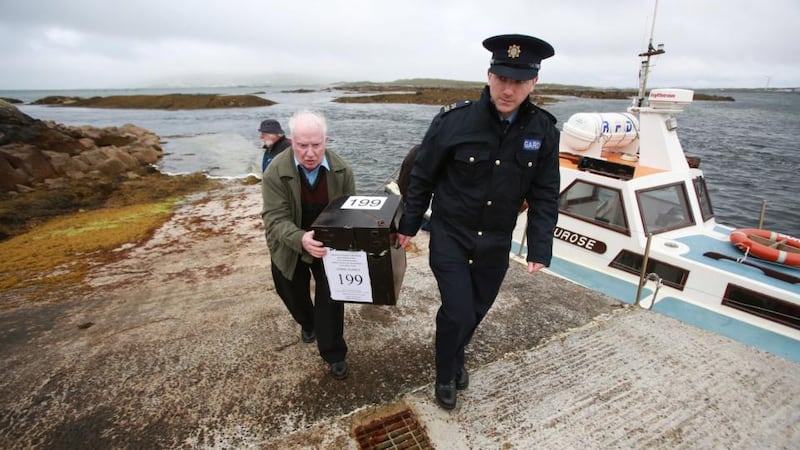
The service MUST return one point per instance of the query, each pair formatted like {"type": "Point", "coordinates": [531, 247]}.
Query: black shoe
{"type": "Point", "coordinates": [462, 378]}
{"type": "Point", "coordinates": [307, 336]}
{"type": "Point", "coordinates": [446, 394]}
{"type": "Point", "coordinates": [339, 370]}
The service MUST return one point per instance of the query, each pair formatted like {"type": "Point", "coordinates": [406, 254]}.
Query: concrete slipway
{"type": "Point", "coordinates": [631, 379]}
{"type": "Point", "coordinates": [183, 344]}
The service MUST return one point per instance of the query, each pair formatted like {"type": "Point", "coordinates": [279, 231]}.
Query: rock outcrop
{"type": "Point", "coordinates": [36, 153]}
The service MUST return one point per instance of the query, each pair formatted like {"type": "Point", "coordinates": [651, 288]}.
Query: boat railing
{"type": "Point", "coordinates": [762, 215]}
{"type": "Point", "coordinates": [643, 273]}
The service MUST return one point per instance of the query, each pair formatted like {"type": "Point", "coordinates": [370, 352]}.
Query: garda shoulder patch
{"type": "Point", "coordinates": [453, 106]}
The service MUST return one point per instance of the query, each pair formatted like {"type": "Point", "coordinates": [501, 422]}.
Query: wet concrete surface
{"type": "Point", "coordinates": [629, 379]}
{"type": "Point", "coordinates": [183, 343]}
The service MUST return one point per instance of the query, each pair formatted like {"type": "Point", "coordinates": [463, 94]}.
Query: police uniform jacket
{"type": "Point", "coordinates": [282, 211]}
{"type": "Point", "coordinates": [480, 174]}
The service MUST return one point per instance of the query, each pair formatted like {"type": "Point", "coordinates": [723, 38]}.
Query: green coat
{"type": "Point", "coordinates": [280, 189]}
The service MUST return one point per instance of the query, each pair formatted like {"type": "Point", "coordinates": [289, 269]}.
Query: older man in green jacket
{"type": "Point", "coordinates": [296, 187]}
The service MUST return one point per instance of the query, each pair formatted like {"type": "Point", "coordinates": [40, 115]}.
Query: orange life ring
{"type": "Point", "coordinates": [768, 245]}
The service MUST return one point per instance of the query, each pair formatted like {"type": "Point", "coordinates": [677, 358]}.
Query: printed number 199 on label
{"type": "Point", "coordinates": [364, 202]}
{"type": "Point", "coordinates": [350, 279]}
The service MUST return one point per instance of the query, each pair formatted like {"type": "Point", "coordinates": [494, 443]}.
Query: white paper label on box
{"type": "Point", "coordinates": [363, 202]}
{"type": "Point", "coordinates": [348, 275]}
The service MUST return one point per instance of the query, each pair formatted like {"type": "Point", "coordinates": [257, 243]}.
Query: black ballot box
{"type": "Point", "coordinates": [364, 263]}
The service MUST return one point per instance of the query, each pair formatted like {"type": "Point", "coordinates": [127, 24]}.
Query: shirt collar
{"type": "Point", "coordinates": [315, 170]}
{"type": "Point", "coordinates": [511, 118]}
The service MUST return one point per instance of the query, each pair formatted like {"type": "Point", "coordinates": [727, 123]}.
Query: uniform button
{"type": "Point", "coordinates": [471, 159]}
{"type": "Point", "coordinates": [470, 262]}
{"type": "Point", "coordinates": [488, 203]}
{"type": "Point", "coordinates": [480, 233]}
{"type": "Point", "coordinates": [497, 162]}
{"type": "Point", "coordinates": [530, 164]}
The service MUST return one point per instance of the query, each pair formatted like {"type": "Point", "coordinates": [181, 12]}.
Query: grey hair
{"type": "Point", "coordinates": [308, 117]}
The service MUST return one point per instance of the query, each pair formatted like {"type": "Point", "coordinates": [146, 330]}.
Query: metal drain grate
{"type": "Point", "coordinates": [397, 431]}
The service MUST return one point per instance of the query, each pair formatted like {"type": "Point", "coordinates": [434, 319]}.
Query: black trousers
{"type": "Point", "coordinates": [323, 315]}
{"type": "Point", "coordinates": [468, 292]}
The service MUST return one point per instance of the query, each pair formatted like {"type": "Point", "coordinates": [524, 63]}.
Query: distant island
{"type": "Point", "coordinates": [441, 92]}
{"type": "Point", "coordinates": [420, 91]}
{"type": "Point", "coordinates": [168, 102]}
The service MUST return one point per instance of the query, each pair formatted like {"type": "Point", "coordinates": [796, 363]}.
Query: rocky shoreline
{"type": "Point", "coordinates": [48, 169]}
{"type": "Point", "coordinates": [35, 152]}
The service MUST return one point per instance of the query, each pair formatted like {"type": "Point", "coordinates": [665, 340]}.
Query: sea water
{"type": "Point", "coordinates": [748, 148]}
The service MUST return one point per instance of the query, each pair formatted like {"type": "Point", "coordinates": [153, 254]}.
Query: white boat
{"type": "Point", "coordinates": [636, 222]}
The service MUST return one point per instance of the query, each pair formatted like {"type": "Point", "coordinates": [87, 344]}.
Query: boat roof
{"type": "Point", "coordinates": [572, 161]}
{"type": "Point", "coordinates": [705, 249]}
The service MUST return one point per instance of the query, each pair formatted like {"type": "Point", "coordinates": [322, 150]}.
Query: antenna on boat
{"type": "Point", "coordinates": [645, 69]}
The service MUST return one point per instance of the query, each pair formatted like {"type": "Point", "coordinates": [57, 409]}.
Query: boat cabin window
{"type": "Point", "coordinates": [703, 198]}
{"type": "Point", "coordinates": [762, 305]}
{"type": "Point", "coordinates": [632, 263]}
{"type": "Point", "coordinates": [664, 208]}
{"type": "Point", "coordinates": [593, 203]}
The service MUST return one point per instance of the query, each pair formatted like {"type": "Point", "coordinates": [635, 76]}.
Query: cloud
{"type": "Point", "coordinates": [94, 43]}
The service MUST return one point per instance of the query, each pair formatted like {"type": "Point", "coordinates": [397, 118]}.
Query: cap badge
{"type": "Point", "coordinates": [514, 51]}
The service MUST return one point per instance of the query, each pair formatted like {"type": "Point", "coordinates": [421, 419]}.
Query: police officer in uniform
{"type": "Point", "coordinates": [482, 160]}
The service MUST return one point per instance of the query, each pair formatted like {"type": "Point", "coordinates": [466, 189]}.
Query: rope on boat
{"type": "Point", "coordinates": [743, 258]}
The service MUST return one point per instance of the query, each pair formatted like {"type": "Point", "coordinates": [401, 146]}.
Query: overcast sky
{"type": "Point", "coordinates": [70, 44]}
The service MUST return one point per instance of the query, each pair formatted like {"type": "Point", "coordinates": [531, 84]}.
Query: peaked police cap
{"type": "Point", "coordinates": [517, 56]}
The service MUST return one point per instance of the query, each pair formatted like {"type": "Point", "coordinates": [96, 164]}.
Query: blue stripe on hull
{"type": "Point", "coordinates": [678, 309]}
{"type": "Point", "coordinates": [597, 281]}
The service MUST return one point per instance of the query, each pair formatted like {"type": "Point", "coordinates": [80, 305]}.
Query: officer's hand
{"type": "Point", "coordinates": [403, 240]}
{"type": "Point", "coordinates": [534, 267]}
{"type": "Point", "coordinates": [313, 247]}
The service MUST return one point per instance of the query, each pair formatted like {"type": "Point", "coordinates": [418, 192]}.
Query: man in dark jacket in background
{"type": "Point", "coordinates": [482, 160]}
{"type": "Point", "coordinates": [274, 140]}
